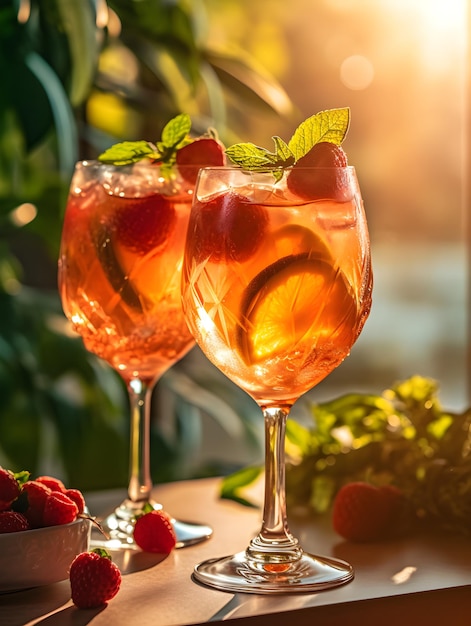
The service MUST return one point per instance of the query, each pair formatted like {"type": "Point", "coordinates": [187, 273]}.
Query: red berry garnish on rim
{"type": "Point", "coordinates": [230, 228]}
{"type": "Point", "coordinates": [154, 532]}
{"type": "Point", "coordinates": [94, 579]}
{"type": "Point", "coordinates": [362, 512]}
{"type": "Point", "coordinates": [321, 184]}
{"type": "Point", "coordinates": [202, 152]}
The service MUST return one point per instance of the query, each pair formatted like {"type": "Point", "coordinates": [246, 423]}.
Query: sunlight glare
{"type": "Point", "coordinates": [404, 575]}
{"type": "Point", "coordinates": [357, 72]}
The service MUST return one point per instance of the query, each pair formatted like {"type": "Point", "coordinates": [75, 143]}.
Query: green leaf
{"type": "Point", "coordinates": [174, 136]}
{"type": "Point", "coordinates": [251, 157]}
{"type": "Point", "coordinates": [128, 152]}
{"type": "Point", "coordinates": [331, 125]}
{"type": "Point", "coordinates": [233, 484]}
{"type": "Point", "coordinates": [76, 21]}
{"type": "Point", "coordinates": [176, 131]}
{"type": "Point", "coordinates": [283, 152]}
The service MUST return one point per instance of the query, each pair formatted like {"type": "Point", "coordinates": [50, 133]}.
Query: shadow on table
{"type": "Point", "coordinates": [130, 561]}
{"type": "Point", "coordinates": [21, 607]}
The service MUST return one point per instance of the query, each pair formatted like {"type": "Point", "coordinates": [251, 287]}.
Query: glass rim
{"type": "Point", "coordinates": [271, 170]}
{"type": "Point", "coordinates": [216, 168]}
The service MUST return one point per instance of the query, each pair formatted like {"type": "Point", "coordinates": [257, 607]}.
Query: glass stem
{"type": "Point", "coordinates": [275, 543]}
{"type": "Point", "coordinates": [140, 481]}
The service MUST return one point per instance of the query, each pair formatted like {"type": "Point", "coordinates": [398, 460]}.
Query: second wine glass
{"type": "Point", "coordinates": [119, 279]}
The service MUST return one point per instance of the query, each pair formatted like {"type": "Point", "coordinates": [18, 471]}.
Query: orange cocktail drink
{"type": "Point", "coordinates": [277, 285]}
{"type": "Point", "coordinates": [276, 288]}
{"type": "Point", "coordinates": [120, 266]}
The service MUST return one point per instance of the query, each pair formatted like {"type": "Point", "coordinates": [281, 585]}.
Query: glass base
{"type": "Point", "coordinates": [117, 529]}
{"type": "Point", "coordinates": [239, 573]}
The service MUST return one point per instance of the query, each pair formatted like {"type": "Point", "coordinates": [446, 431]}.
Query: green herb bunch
{"type": "Point", "coordinates": [402, 437]}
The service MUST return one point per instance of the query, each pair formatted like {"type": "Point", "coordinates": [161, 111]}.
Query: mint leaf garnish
{"type": "Point", "coordinates": [176, 131]}
{"type": "Point", "coordinates": [252, 157]}
{"type": "Point", "coordinates": [129, 152]}
{"type": "Point", "coordinates": [175, 135]}
{"type": "Point", "coordinates": [331, 126]}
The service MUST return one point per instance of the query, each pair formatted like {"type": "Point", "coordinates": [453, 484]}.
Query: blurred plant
{"type": "Point", "coordinates": [402, 437]}
{"type": "Point", "coordinates": [78, 75]}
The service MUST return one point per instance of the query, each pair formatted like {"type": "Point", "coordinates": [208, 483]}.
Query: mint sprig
{"type": "Point", "coordinates": [330, 125]}
{"type": "Point", "coordinates": [175, 135]}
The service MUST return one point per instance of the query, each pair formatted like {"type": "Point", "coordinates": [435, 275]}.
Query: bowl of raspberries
{"type": "Point", "coordinates": [43, 527]}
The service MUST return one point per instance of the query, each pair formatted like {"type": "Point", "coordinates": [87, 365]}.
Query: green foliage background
{"type": "Point", "coordinates": [77, 76]}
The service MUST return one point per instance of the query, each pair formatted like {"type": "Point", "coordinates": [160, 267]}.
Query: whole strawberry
{"type": "Point", "coordinates": [55, 484]}
{"type": "Point", "coordinates": [202, 152]}
{"type": "Point", "coordinates": [94, 579]}
{"type": "Point", "coordinates": [9, 489]}
{"type": "Point", "coordinates": [144, 224]}
{"type": "Point", "coordinates": [326, 182]}
{"type": "Point", "coordinates": [236, 237]}
{"type": "Point", "coordinates": [34, 495]}
{"type": "Point", "coordinates": [154, 532]}
{"type": "Point", "coordinates": [76, 496]}
{"type": "Point", "coordinates": [362, 512]}
{"type": "Point", "coordinates": [59, 509]}
{"type": "Point", "coordinates": [12, 522]}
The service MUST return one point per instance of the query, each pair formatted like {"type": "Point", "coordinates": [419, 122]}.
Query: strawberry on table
{"type": "Point", "coordinates": [94, 579]}
{"type": "Point", "coordinates": [154, 532]}
{"type": "Point", "coordinates": [362, 512]}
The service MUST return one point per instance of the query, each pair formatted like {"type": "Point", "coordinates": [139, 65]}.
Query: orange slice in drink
{"type": "Point", "coordinates": [295, 304]}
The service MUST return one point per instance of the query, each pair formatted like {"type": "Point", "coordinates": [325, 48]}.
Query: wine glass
{"type": "Point", "coordinates": [119, 280]}
{"type": "Point", "coordinates": [276, 287]}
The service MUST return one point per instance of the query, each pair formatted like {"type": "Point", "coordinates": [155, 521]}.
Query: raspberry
{"type": "Point", "coordinates": [36, 495]}
{"type": "Point", "coordinates": [9, 489]}
{"type": "Point", "coordinates": [202, 152]}
{"type": "Point", "coordinates": [362, 512]}
{"type": "Point", "coordinates": [323, 183]}
{"type": "Point", "coordinates": [59, 509]}
{"type": "Point", "coordinates": [94, 579]}
{"type": "Point", "coordinates": [77, 497]}
{"type": "Point", "coordinates": [12, 522]}
{"type": "Point", "coordinates": [144, 224]}
{"type": "Point", "coordinates": [230, 228]}
{"type": "Point", "coordinates": [154, 532]}
{"type": "Point", "coordinates": [55, 484]}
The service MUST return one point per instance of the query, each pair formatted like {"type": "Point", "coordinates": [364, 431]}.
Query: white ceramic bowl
{"type": "Point", "coordinates": [33, 558]}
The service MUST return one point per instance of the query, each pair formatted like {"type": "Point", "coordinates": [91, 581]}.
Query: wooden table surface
{"type": "Point", "coordinates": [425, 579]}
